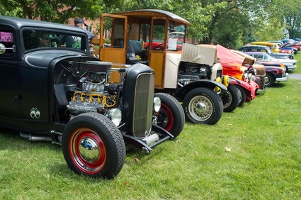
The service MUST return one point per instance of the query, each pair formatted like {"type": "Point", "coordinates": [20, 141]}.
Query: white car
{"type": "Point", "coordinates": [290, 64]}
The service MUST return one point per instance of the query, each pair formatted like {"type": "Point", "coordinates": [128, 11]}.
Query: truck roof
{"type": "Point", "coordinates": [155, 12]}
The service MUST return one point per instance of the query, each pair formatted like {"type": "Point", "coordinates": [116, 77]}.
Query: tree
{"type": "Point", "coordinates": [230, 23]}
{"type": "Point", "coordinates": [55, 10]}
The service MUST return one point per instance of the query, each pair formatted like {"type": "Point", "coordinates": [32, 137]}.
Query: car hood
{"type": "Point", "coordinates": [288, 61]}
{"type": "Point", "coordinates": [280, 54]}
{"type": "Point", "coordinates": [44, 57]}
{"type": "Point", "coordinates": [268, 63]}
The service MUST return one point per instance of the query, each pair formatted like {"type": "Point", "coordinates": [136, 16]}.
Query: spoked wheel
{"type": "Point", "coordinates": [171, 116]}
{"type": "Point", "coordinates": [230, 98]}
{"type": "Point", "coordinates": [202, 105]}
{"type": "Point", "coordinates": [93, 146]}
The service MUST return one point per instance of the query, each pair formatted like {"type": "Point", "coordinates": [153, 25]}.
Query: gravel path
{"type": "Point", "coordinates": [294, 76]}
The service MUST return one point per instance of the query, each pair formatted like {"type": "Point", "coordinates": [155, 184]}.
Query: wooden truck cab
{"type": "Point", "coordinates": [143, 36]}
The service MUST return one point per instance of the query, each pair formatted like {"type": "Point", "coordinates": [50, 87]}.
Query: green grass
{"type": "Point", "coordinates": [252, 153]}
{"type": "Point", "coordinates": [298, 58]}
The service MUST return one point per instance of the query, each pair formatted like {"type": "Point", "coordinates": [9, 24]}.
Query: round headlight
{"type": "Point", "coordinates": [115, 116]}
{"type": "Point", "coordinates": [157, 104]}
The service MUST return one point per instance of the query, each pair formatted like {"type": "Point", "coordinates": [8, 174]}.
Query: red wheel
{"type": "Point", "coordinates": [171, 114]}
{"type": "Point", "coordinates": [87, 150]}
{"type": "Point", "coordinates": [165, 117]}
{"type": "Point", "coordinates": [93, 146]}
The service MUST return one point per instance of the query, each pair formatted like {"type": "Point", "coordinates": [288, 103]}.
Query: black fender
{"type": "Point", "coordinates": [181, 92]}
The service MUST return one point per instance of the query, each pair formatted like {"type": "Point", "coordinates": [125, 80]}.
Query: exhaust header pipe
{"type": "Point", "coordinates": [35, 138]}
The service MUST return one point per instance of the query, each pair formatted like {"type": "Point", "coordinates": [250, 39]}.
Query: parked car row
{"type": "Point", "coordinates": [277, 66]}
{"type": "Point", "coordinates": [96, 102]}
{"type": "Point", "coordinates": [275, 71]}
{"type": "Point", "coordinates": [263, 48]}
{"type": "Point", "coordinates": [95, 108]}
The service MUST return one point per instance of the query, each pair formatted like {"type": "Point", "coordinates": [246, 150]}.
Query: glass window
{"type": "Point", "coordinates": [259, 56]}
{"type": "Point", "coordinates": [176, 36]}
{"type": "Point", "coordinates": [158, 34]}
{"type": "Point", "coordinates": [113, 32]}
{"type": "Point", "coordinates": [38, 38]}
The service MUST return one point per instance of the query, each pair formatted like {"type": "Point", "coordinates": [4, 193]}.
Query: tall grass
{"type": "Point", "coordinates": [252, 153]}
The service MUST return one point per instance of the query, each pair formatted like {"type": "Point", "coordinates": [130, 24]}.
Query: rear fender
{"type": "Point", "coordinates": [249, 87]}
{"type": "Point", "coordinates": [181, 92]}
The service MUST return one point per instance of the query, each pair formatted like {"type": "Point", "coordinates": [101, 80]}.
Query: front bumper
{"type": "Point", "coordinates": [283, 78]}
{"type": "Point", "coordinates": [291, 67]}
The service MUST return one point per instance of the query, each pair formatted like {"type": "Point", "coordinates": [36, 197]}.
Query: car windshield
{"type": "Point", "coordinates": [38, 38]}
{"type": "Point", "coordinates": [267, 57]}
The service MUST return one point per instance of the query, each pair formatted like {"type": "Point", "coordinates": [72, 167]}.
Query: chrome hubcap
{"type": "Point", "coordinates": [89, 150]}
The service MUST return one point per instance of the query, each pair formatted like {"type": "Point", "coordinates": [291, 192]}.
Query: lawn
{"type": "Point", "coordinates": [252, 153]}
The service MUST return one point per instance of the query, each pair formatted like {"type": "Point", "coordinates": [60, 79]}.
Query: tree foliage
{"type": "Point", "coordinates": [55, 10]}
{"type": "Point", "coordinates": [231, 23]}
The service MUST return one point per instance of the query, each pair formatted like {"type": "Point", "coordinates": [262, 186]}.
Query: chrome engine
{"type": "Point", "coordinates": [86, 85]}
{"type": "Point", "coordinates": [90, 97]}
{"type": "Point", "coordinates": [92, 94]}
{"type": "Point", "coordinates": [189, 72]}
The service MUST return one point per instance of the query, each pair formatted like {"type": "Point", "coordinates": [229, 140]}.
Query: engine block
{"type": "Point", "coordinates": [90, 102]}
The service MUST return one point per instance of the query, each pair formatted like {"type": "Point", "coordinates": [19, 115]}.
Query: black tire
{"type": "Point", "coordinates": [243, 96]}
{"type": "Point", "coordinates": [93, 131]}
{"type": "Point", "coordinates": [171, 115]}
{"type": "Point", "coordinates": [269, 80]}
{"type": "Point", "coordinates": [202, 105]}
{"type": "Point", "coordinates": [230, 98]}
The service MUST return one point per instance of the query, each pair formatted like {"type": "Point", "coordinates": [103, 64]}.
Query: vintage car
{"type": "Point", "coordinates": [295, 44]}
{"type": "Point", "coordinates": [289, 46]}
{"type": "Point", "coordinates": [54, 90]}
{"type": "Point", "coordinates": [262, 48]}
{"type": "Point", "coordinates": [274, 47]}
{"type": "Point", "coordinates": [147, 36]}
{"type": "Point", "coordinates": [240, 68]}
{"type": "Point", "coordinates": [275, 70]}
{"type": "Point", "coordinates": [290, 64]}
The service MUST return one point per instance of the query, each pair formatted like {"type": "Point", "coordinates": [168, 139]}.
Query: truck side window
{"type": "Point", "coordinates": [118, 33]}
{"type": "Point", "coordinates": [158, 35]}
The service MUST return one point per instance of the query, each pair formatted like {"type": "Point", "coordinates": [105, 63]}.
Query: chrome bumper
{"type": "Point", "coordinates": [284, 78]}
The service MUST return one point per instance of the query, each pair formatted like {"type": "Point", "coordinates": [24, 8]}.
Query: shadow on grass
{"type": "Point", "coordinates": [14, 141]}
{"type": "Point", "coordinates": [277, 85]}
{"type": "Point", "coordinates": [55, 164]}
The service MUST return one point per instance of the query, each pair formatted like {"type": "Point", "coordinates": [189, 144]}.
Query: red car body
{"type": "Point", "coordinates": [233, 67]}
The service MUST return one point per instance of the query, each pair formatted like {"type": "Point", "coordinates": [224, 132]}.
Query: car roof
{"type": "Point", "coordinates": [18, 23]}
{"type": "Point", "coordinates": [257, 46]}
{"type": "Point", "coordinates": [255, 52]}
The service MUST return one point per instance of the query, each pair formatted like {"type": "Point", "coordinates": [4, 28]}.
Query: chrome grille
{"type": "Point", "coordinates": [143, 104]}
